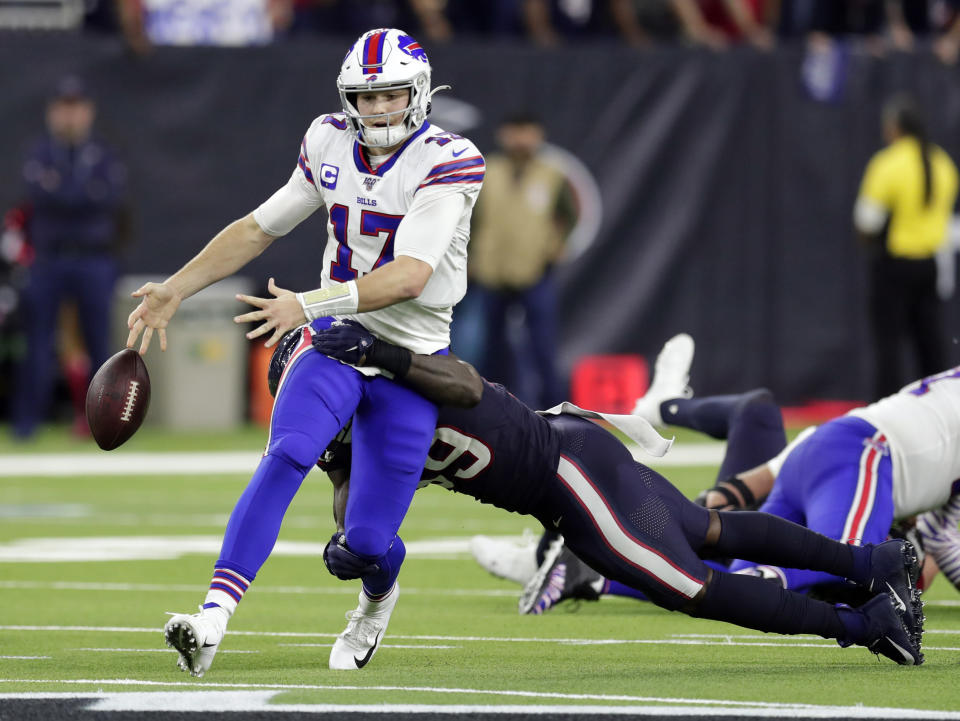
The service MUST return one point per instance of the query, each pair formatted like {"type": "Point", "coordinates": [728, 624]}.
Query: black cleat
{"type": "Point", "coordinates": [887, 633]}
{"type": "Point", "coordinates": [561, 576]}
{"type": "Point", "coordinates": [894, 570]}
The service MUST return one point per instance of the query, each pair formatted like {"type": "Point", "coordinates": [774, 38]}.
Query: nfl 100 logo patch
{"type": "Point", "coordinates": [369, 182]}
{"type": "Point", "coordinates": [328, 175]}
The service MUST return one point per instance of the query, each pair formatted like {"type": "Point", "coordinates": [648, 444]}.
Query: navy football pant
{"type": "Point", "coordinates": [90, 281]}
{"type": "Point", "coordinates": [633, 526]}
{"type": "Point", "coordinates": [751, 423]}
{"type": "Point", "coordinates": [392, 431]}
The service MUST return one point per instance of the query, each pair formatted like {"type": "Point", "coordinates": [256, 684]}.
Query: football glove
{"type": "Point", "coordinates": [344, 563]}
{"type": "Point", "coordinates": [350, 342]}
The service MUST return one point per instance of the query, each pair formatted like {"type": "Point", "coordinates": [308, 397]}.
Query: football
{"type": "Point", "coordinates": [117, 399]}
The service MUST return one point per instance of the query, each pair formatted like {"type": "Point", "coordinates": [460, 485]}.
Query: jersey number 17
{"type": "Point", "coordinates": [372, 224]}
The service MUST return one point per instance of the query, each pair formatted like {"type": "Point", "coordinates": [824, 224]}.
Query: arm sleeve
{"type": "Point", "coordinates": [941, 538]}
{"type": "Point", "coordinates": [288, 207]}
{"type": "Point", "coordinates": [428, 227]}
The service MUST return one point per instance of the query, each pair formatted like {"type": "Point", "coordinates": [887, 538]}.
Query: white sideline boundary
{"type": "Point", "coordinates": [257, 697]}
{"type": "Point", "coordinates": [28, 465]}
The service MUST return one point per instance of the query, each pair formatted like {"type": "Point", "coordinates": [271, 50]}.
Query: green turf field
{"type": "Point", "coordinates": [455, 638]}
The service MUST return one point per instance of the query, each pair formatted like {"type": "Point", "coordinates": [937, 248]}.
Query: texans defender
{"type": "Point", "coordinates": [839, 479]}
{"type": "Point", "coordinates": [399, 194]}
{"type": "Point", "coordinates": [625, 520]}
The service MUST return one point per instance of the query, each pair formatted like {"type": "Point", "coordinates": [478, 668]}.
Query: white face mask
{"type": "Point", "coordinates": [385, 136]}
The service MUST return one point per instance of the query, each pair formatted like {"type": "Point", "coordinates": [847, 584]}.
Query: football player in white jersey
{"type": "Point", "coordinates": [853, 476]}
{"type": "Point", "coordinates": [849, 478]}
{"type": "Point", "coordinates": [399, 194]}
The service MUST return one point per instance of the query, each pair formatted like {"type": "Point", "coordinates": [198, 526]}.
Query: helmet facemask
{"type": "Point", "coordinates": [366, 127]}
{"type": "Point", "coordinates": [385, 60]}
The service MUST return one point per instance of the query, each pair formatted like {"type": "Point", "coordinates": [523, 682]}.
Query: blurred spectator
{"type": "Point", "coordinates": [548, 22]}
{"type": "Point", "coordinates": [902, 213]}
{"type": "Point", "coordinates": [640, 22]}
{"type": "Point", "coordinates": [146, 23]}
{"type": "Point", "coordinates": [349, 17]}
{"type": "Point", "coordinates": [717, 23]}
{"type": "Point", "coordinates": [521, 222]}
{"type": "Point", "coordinates": [432, 20]}
{"type": "Point", "coordinates": [946, 16]}
{"type": "Point", "coordinates": [75, 185]}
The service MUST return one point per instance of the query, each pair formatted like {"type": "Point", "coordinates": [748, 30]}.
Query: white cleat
{"type": "Point", "coordinates": [671, 376]}
{"type": "Point", "coordinates": [361, 638]}
{"type": "Point", "coordinates": [507, 559]}
{"type": "Point", "coordinates": [196, 637]}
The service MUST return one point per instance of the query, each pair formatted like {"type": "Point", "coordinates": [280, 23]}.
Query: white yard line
{"type": "Point", "coordinates": [166, 548]}
{"type": "Point", "coordinates": [258, 697]}
{"type": "Point", "coordinates": [26, 658]}
{"type": "Point", "coordinates": [244, 462]}
{"type": "Point", "coordinates": [283, 590]}
{"type": "Point", "coordinates": [675, 640]}
{"type": "Point", "coordinates": [149, 650]}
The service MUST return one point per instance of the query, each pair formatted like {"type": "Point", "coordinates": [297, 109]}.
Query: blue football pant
{"type": "Point", "coordinates": [838, 482]}
{"type": "Point", "coordinates": [392, 430]}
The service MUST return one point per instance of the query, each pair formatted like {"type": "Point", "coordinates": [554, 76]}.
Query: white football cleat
{"type": "Point", "coordinates": [671, 376]}
{"type": "Point", "coordinates": [507, 559]}
{"type": "Point", "coordinates": [361, 638]}
{"type": "Point", "coordinates": [196, 637]}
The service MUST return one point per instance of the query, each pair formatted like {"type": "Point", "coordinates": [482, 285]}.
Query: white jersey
{"type": "Point", "coordinates": [400, 206]}
{"type": "Point", "coordinates": [921, 424]}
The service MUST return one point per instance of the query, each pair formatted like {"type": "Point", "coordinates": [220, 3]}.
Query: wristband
{"type": "Point", "coordinates": [390, 357]}
{"type": "Point", "coordinates": [339, 299]}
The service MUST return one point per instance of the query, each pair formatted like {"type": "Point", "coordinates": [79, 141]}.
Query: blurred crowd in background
{"type": "Point", "coordinates": [884, 24]}
{"type": "Point", "coordinates": [71, 221]}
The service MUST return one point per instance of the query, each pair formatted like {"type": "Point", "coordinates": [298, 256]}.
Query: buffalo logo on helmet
{"type": "Point", "coordinates": [412, 48]}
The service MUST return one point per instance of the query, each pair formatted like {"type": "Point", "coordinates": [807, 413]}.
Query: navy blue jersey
{"type": "Point", "coordinates": [499, 451]}
{"type": "Point", "coordinates": [76, 192]}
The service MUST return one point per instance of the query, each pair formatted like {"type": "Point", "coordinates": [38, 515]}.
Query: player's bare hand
{"type": "Point", "coordinates": [159, 303]}
{"type": "Point", "coordinates": [279, 314]}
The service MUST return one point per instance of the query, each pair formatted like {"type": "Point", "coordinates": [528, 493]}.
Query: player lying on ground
{"type": "Point", "coordinates": [627, 521]}
{"type": "Point", "coordinates": [849, 479]}
{"type": "Point", "coordinates": [829, 485]}
{"type": "Point", "coordinates": [399, 193]}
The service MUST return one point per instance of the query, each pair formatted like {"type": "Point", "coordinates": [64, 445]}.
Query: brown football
{"type": "Point", "coordinates": [117, 399]}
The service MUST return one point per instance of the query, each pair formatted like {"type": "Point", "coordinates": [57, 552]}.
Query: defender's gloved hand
{"type": "Point", "coordinates": [344, 563]}
{"type": "Point", "coordinates": [350, 342]}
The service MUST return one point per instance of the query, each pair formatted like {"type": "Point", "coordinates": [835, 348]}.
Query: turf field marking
{"type": "Point", "coordinates": [168, 548]}
{"type": "Point", "coordinates": [344, 591]}
{"type": "Point", "coordinates": [237, 701]}
{"type": "Point", "coordinates": [245, 462]}
{"type": "Point", "coordinates": [772, 707]}
{"type": "Point", "coordinates": [26, 658]}
{"type": "Point", "coordinates": [149, 650]}
{"type": "Point", "coordinates": [787, 642]}
{"type": "Point", "coordinates": [382, 645]}
{"type": "Point", "coordinates": [296, 590]}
